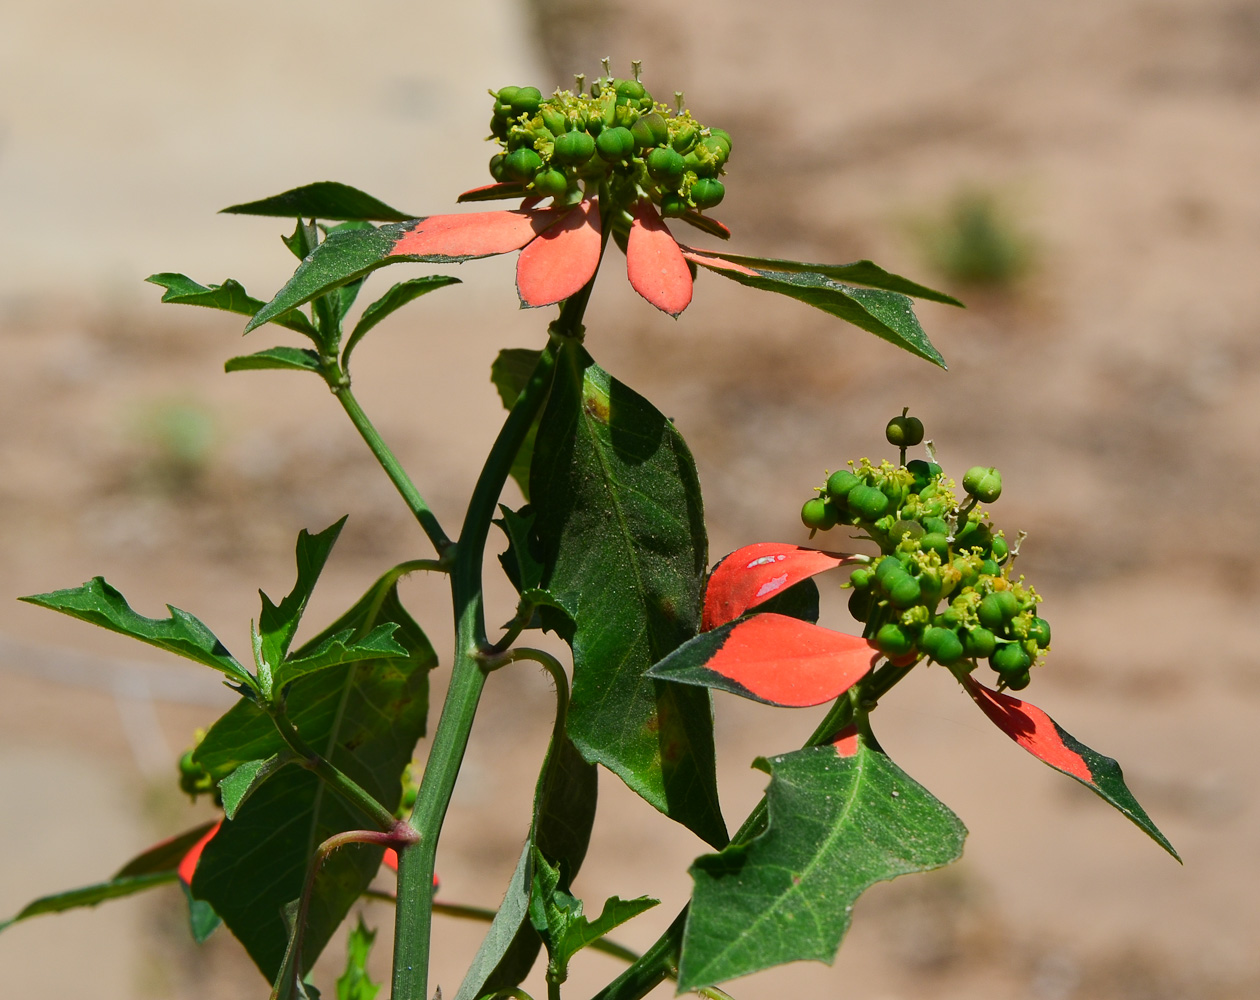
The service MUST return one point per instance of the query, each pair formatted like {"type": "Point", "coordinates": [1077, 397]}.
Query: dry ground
{"type": "Point", "coordinates": [1115, 384]}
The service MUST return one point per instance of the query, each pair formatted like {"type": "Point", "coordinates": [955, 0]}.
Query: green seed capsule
{"type": "Point", "coordinates": [1017, 682]}
{"type": "Point", "coordinates": [522, 163]}
{"type": "Point", "coordinates": [861, 578]}
{"type": "Point", "coordinates": [936, 526]}
{"type": "Point", "coordinates": [861, 603]}
{"type": "Point", "coordinates": [818, 515]}
{"type": "Point", "coordinates": [526, 100]}
{"type": "Point", "coordinates": [997, 608]}
{"type": "Point", "coordinates": [574, 148]}
{"type": "Point", "coordinates": [840, 483]}
{"type": "Point", "coordinates": [719, 150]}
{"type": "Point", "coordinates": [555, 121]}
{"type": "Point", "coordinates": [551, 182]}
{"type": "Point", "coordinates": [904, 591]}
{"type": "Point", "coordinates": [707, 192]}
{"type": "Point", "coordinates": [935, 542]}
{"type": "Point", "coordinates": [1039, 632]}
{"type": "Point", "coordinates": [615, 144]}
{"type": "Point", "coordinates": [1000, 549]}
{"type": "Point", "coordinates": [499, 127]}
{"type": "Point", "coordinates": [904, 432]}
{"type": "Point", "coordinates": [867, 502]}
{"type": "Point", "coordinates": [629, 90]}
{"type": "Point", "coordinates": [673, 205]}
{"type": "Point", "coordinates": [989, 568]}
{"type": "Point", "coordinates": [979, 643]}
{"type": "Point", "coordinates": [923, 470]}
{"type": "Point", "coordinates": [722, 136]}
{"type": "Point", "coordinates": [650, 130]}
{"type": "Point", "coordinates": [497, 169]}
{"type": "Point", "coordinates": [985, 484]}
{"type": "Point", "coordinates": [889, 566]}
{"type": "Point", "coordinates": [1010, 658]}
{"type": "Point", "coordinates": [893, 640]}
{"type": "Point", "coordinates": [507, 95]}
{"type": "Point", "coordinates": [942, 645]}
{"type": "Point", "coordinates": [665, 164]}
{"type": "Point", "coordinates": [684, 137]}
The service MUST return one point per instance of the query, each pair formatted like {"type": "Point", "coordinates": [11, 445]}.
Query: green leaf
{"type": "Point", "coordinates": [321, 200]}
{"type": "Point", "coordinates": [246, 779]}
{"type": "Point", "coordinates": [888, 315]}
{"type": "Point", "coordinates": [202, 920]}
{"type": "Point", "coordinates": [156, 866]}
{"type": "Point", "coordinates": [355, 984]}
{"type": "Point", "coordinates": [99, 603]}
{"type": "Point", "coordinates": [342, 648]}
{"type": "Point", "coordinates": [229, 296]}
{"type": "Point", "coordinates": [509, 372]}
{"type": "Point", "coordinates": [395, 298]}
{"type": "Point", "coordinates": [842, 817]}
{"type": "Point", "coordinates": [291, 358]}
{"type": "Point", "coordinates": [621, 529]}
{"type": "Point", "coordinates": [366, 718]}
{"type": "Point", "coordinates": [520, 560]}
{"type": "Point", "coordinates": [501, 942]}
{"type": "Point", "coordinates": [278, 623]}
{"type": "Point", "coordinates": [616, 912]}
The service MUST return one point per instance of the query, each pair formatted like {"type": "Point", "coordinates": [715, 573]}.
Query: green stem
{"type": "Point", "coordinates": [661, 960]}
{"type": "Point", "coordinates": [415, 863]}
{"type": "Point", "coordinates": [336, 779]}
{"type": "Point", "coordinates": [340, 385]}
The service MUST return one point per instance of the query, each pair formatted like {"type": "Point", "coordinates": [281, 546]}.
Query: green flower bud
{"type": "Point", "coordinates": [574, 148]}
{"type": "Point", "coordinates": [997, 608]}
{"type": "Point", "coordinates": [707, 192]}
{"type": "Point", "coordinates": [719, 150]}
{"type": "Point", "coordinates": [722, 136]}
{"type": "Point", "coordinates": [888, 566]}
{"type": "Point", "coordinates": [861, 603]}
{"type": "Point", "coordinates": [985, 484]}
{"type": "Point", "coordinates": [903, 591]}
{"type": "Point", "coordinates": [935, 542]}
{"type": "Point", "coordinates": [818, 515]}
{"type": "Point", "coordinates": [1010, 658]}
{"type": "Point", "coordinates": [665, 164]}
{"type": "Point", "coordinates": [904, 432]}
{"type": "Point", "coordinates": [1039, 632]}
{"type": "Point", "coordinates": [840, 483]}
{"type": "Point", "coordinates": [893, 640]}
{"type": "Point", "coordinates": [867, 502]}
{"type": "Point", "coordinates": [497, 169]}
{"type": "Point", "coordinates": [1000, 549]}
{"type": "Point", "coordinates": [522, 163]}
{"type": "Point", "coordinates": [650, 130]}
{"type": "Point", "coordinates": [615, 144]}
{"type": "Point", "coordinates": [979, 643]}
{"type": "Point", "coordinates": [555, 121]}
{"type": "Point", "coordinates": [551, 182]}
{"type": "Point", "coordinates": [525, 101]}
{"type": "Point", "coordinates": [673, 205]}
{"type": "Point", "coordinates": [629, 90]}
{"type": "Point", "coordinates": [936, 526]}
{"type": "Point", "coordinates": [684, 137]}
{"type": "Point", "coordinates": [861, 578]}
{"type": "Point", "coordinates": [942, 645]}
{"type": "Point", "coordinates": [1018, 681]}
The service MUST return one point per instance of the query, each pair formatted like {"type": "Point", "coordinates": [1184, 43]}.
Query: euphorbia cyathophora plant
{"type": "Point", "coordinates": [312, 767]}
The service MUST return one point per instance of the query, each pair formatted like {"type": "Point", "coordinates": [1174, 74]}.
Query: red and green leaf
{"type": "Point", "coordinates": [654, 262]}
{"type": "Point", "coordinates": [842, 817]}
{"type": "Point", "coordinates": [771, 658]}
{"type": "Point", "coordinates": [1042, 737]}
{"type": "Point", "coordinates": [758, 573]}
{"type": "Point", "coordinates": [887, 314]}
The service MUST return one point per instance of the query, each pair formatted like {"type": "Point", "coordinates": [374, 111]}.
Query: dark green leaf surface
{"type": "Point", "coordinates": [837, 825]}
{"type": "Point", "coordinates": [289, 358]}
{"type": "Point", "coordinates": [521, 561]}
{"type": "Point", "coordinates": [509, 372]}
{"type": "Point", "coordinates": [621, 528]}
{"type": "Point", "coordinates": [202, 920]}
{"type": "Point", "coordinates": [366, 718]}
{"type": "Point", "coordinates": [394, 299]}
{"type": "Point", "coordinates": [342, 648]}
{"type": "Point", "coordinates": [278, 623]}
{"type": "Point", "coordinates": [99, 603]}
{"type": "Point", "coordinates": [355, 983]}
{"type": "Point", "coordinates": [246, 779]}
{"type": "Point", "coordinates": [888, 315]}
{"type": "Point", "coordinates": [229, 296]}
{"type": "Point", "coordinates": [505, 954]}
{"type": "Point", "coordinates": [322, 200]}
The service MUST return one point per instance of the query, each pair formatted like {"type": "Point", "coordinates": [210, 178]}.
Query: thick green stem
{"type": "Point", "coordinates": [415, 863]}
{"type": "Point", "coordinates": [661, 960]}
{"type": "Point", "coordinates": [393, 468]}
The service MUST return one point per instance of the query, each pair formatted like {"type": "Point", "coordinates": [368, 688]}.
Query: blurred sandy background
{"type": "Point", "coordinates": [1108, 152]}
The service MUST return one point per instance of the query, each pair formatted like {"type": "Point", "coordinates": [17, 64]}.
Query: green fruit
{"type": "Point", "coordinates": [904, 432]}
{"type": "Point", "coordinates": [968, 574]}
{"type": "Point", "coordinates": [1039, 632]}
{"type": "Point", "coordinates": [522, 163]}
{"type": "Point", "coordinates": [935, 542]}
{"type": "Point", "coordinates": [861, 603]}
{"type": "Point", "coordinates": [931, 586]}
{"type": "Point", "coordinates": [555, 121]}
{"type": "Point", "coordinates": [860, 578]}
{"type": "Point", "coordinates": [1000, 549]}
{"type": "Point", "coordinates": [893, 640]}
{"type": "Point", "coordinates": [574, 148]}
{"type": "Point", "coordinates": [888, 567]}
{"type": "Point", "coordinates": [1017, 682]}
{"type": "Point", "coordinates": [942, 645]}
{"type": "Point", "coordinates": [840, 483]}
{"type": "Point", "coordinates": [985, 484]}
{"type": "Point", "coordinates": [615, 144]}
{"type": "Point", "coordinates": [673, 205]}
{"type": "Point", "coordinates": [719, 149]}
{"type": "Point", "coordinates": [526, 100]}
{"type": "Point", "coordinates": [707, 192]}
{"type": "Point", "coordinates": [818, 515]}
{"type": "Point", "coordinates": [867, 502]}
{"type": "Point", "coordinates": [684, 138]}
{"type": "Point", "coordinates": [650, 130]}
{"type": "Point", "coordinates": [665, 164]}
{"type": "Point", "coordinates": [973, 534]}
{"type": "Point", "coordinates": [923, 470]}
{"type": "Point", "coordinates": [989, 568]}
{"type": "Point", "coordinates": [997, 609]}
{"type": "Point", "coordinates": [722, 136]}
{"type": "Point", "coordinates": [979, 643]}
{"type": "Point", "coordinates": [628, 90]}
{"type": "Point", "coordinates": [497, 170]}
{"type": "Point", "coordinates": [936, 526]}
{"type": "Point", "coordinates": [499, 127]}
{"type": "Point", "coordinates": [904, 590]}
{"type": "Point", "coordinates": [551, 182]}
{"type": "Point", "coordinates": [905, 529]}
{"type": "Point", "coordinates": [1010, 658]}
{"type": "Point", "coordinates": [507, 95]}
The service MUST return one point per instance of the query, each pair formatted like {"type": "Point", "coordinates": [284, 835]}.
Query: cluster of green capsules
{"type": "Point", "coordinates": [942, 585]}
{"type": "Point", "coordinates": [615, 134]}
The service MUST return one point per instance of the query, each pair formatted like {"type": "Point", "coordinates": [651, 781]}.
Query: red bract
{"type": "Point", "coordinates": [188, 865]}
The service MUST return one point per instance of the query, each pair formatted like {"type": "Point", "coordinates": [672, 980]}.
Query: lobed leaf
{"type": "Point", "coordinates": [321, 200]}
{"type": "Point", "coordinates": [620, 527]}
{"type": "Point", "coordinates": [99, 603]}
{"type": "Point", "coordinates": [355, 983]}
{"type": "Point", "coordinates": [756, 573]}
{"type": "Point", "coordinates": [229, 296]}
{"type": "Point", "coordinates": [887, 314]}
{"type": "Point", "coordinates": [1041, 736]}
{"type": "Point", "coordinates": [842, 817]}
{"type": "Point", "coordinates": [771, 658]}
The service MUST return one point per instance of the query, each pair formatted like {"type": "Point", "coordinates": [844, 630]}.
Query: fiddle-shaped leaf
{"type": "Point", "coordinates": [757, 573]}
{"type": "Point", "coordinates": [842, 817]}
{"type": "Point", "coordinates": [321, 200]}
{"type": "Point", "coordinates": [99, 603]}
{"type": "Point", "coordinates": [229, 297]}
{"type": "Point", "coordinates": [1041, 736]}
{"type": "Point", "coordinates": [771, 658]}
{"type": "Point", "coordinates": [278, 622]}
